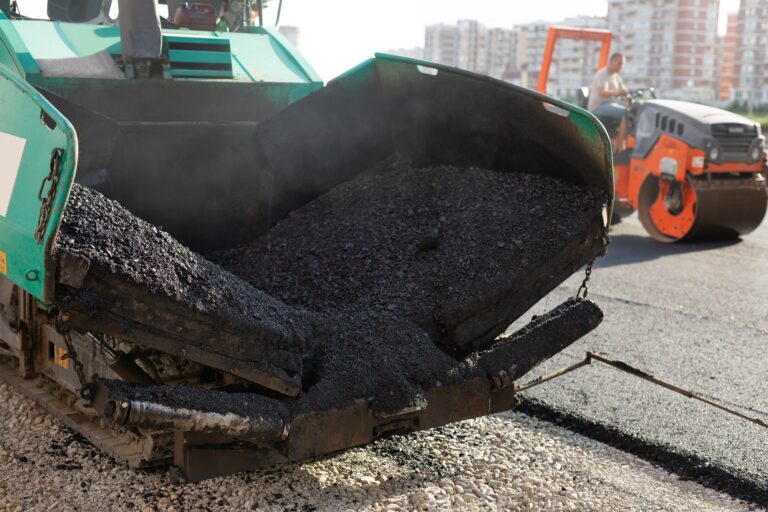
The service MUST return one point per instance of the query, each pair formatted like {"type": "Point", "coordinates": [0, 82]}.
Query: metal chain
{"type": "Point", "coordinates": [583, 290]}
{"type": "Point", "coordinates": [72, 355]}
{"type": "Point", "coordinates": [47, 201]}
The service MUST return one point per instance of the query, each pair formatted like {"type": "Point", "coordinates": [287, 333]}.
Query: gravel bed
{"type": "Point", "coordinates": [503, 462]}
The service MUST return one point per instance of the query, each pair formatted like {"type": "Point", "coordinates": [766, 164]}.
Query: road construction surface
{"type": "Point", "coordinates": [505, 462]}
{"type": "Point", "coordinates": [695, 315]}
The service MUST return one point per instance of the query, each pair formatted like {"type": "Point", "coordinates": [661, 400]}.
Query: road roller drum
{"type": "Point", "coordinates": [702, 207]}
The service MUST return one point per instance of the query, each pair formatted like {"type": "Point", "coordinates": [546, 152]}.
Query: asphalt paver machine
{"type": "Point", "coordinates": [130, 146]}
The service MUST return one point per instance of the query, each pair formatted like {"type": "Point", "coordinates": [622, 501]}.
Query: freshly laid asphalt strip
{"type": "Point", "coordinates": [693, 315]}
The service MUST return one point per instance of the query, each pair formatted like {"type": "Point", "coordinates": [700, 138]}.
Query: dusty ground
{"type": "Point", "coordinates": [506, 462]}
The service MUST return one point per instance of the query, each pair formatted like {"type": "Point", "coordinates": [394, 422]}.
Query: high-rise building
{"type": "Point", "coordinates": [516, 54]}
{"type": "Point", "coordinates": [501, 48]}
{"type": "Point", "coordinates": [727, 58]}
{"type": "Point", "coordinates": [751, 58]}
{"type": "Point", "coordinates": [441, 44]}
{"type": "Point", "coordinates": [472, 46]}
{"type": "Point", "coordinates": [669, 44]}
{"type": "Point", "coordinates": [531, 38]}
{"type": "Point", "coordinates": [413, 53]}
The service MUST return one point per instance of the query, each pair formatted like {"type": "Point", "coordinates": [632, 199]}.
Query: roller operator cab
{"type": "Point", "coordinates": [690, 170]}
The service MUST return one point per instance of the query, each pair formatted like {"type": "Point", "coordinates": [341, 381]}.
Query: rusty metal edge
{"type": "Point", "coordinates": [112, 442]}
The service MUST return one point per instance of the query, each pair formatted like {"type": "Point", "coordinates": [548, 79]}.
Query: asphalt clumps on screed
{"type": "Point", "coordinates": [197, 399]}
{"type": "Point", "coordinates": [374, 355]}
{"type": "Point", "coordinates": [109, 236]}
{"type": "Point", "coordinates": [378, 357]}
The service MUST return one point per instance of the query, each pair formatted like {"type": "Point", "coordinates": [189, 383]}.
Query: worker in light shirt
{"type": "Point", "coordinates": [607, 86]}
{"type": "Point", "coordinates": [607, 83]}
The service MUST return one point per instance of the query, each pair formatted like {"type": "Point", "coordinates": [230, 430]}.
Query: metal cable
{"type": "Point", "coordinates": [620, 365]}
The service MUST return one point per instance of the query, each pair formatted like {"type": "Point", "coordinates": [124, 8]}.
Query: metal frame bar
{"type": "Point", "coordinates": [583, 34]}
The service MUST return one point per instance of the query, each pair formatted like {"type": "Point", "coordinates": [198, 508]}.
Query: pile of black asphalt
{"type": "Point", "coordinates": [433, 245]}
{"type": "Point", "coordinates": [368, 264]}
{"type": "Point", "coordinates": [108, 236]}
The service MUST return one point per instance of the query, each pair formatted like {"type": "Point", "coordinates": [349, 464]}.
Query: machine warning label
{"type": "Point", "coordinates": [3, 264]}
{"type": "Point", "coordinates": [11, 149]}
{"type": "Point", "coordinates": [60, 357]}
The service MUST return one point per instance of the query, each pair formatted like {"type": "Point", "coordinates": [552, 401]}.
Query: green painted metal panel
{"type": "Point", "coordinates": [20, 53]}
{"type": "Point", "coordinates": [200, 73]}
{"type": "Point", "coordinates": [262, 55]}
{"type": "Point", "coordinates": [7, 58]}
{"type": "Point", "coordinates": [195, 37]}
{"type": "Point", "coordinates": [199, 57]}
{"type": "Point", "coordinates": [595, 135]}
{"type": "Point", "coordinates": [56, 40]}
{"type": "Point", "coordinates": [292, 53]}
{"type": "Point", "coordinates": [27, 141]}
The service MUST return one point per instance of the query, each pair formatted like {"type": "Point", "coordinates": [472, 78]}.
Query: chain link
{"type": "Point", "coordinates": [47, 201]}
{"type": "Point", "coordinates": [583, 290]}
{"type": "Point", "coordinates": [72, 355]}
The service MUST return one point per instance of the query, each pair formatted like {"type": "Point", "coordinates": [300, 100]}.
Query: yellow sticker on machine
{"type": "Point", "coordinates": [60, 357]}
{"type": "Point", "coordinates": [3, 264]}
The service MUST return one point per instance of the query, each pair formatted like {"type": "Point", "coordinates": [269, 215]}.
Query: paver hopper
{"type": "Point", "coordinates": [110, 312]}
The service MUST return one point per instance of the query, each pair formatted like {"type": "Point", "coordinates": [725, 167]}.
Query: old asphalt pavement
{"type": "Point", "coordinates": [695, 315]}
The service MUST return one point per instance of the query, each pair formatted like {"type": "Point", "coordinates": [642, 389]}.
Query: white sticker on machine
{"type": "Point", "coordinates": [11, 149]}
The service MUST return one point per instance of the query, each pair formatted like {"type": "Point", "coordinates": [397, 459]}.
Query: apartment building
{"type": "Point", "coordinates": [670, 45]}
{"type": "Point", "coordinates": [750, 63]}
{"type": "Point", "coordinates": [441, 44]}
{"type": "Point", "coordinates": [515, 54]}
{"type": "Point", "coordinates": [727, 58]}
{"type": "Point", "coordinates": [501, 48]}
{"type": "Point", "coordinates": [472, 46]}
{"type": "Point", "coordinates": [413, 53]}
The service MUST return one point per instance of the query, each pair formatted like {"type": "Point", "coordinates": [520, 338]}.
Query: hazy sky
{"type": "Point", "coordinates": [338, 34]}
